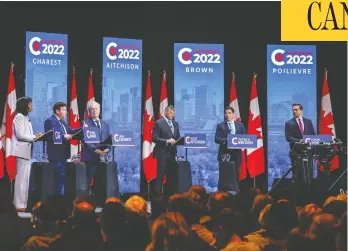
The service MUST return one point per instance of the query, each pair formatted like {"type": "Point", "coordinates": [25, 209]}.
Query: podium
{"type": "Point", "coordinates": [105, 182]}
{"type": "Point", "coordinates": [228, 168]}
{"type": "Point", "coordinates": [75, 183]}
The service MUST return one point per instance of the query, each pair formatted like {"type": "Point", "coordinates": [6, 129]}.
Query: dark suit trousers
{"type": "Point", "coordinates": [165, 165]}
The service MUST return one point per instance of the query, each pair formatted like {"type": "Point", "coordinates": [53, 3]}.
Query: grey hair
{"type": "Point", "coordinates": [170, 107]}
{"type": "Point", "coordinates": [91, 103]}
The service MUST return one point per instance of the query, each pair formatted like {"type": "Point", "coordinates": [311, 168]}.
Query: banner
{"type": "Point", "coordinates": [241, 141]}
{"type": "Point", "coordinates": [121, 108]}
{"type": "Point", "coordinates": [46, 60]}
{"type": "Point", "coordinates": [291, 78]}
{"type": "Point", "coordinates": [195, 140]}
{"type": "Point", "coordinates": [199, 103]}
{"type": "Point", "coordinates": [124, 138]}
{"type": "Point", "coordinates": [91, 135]}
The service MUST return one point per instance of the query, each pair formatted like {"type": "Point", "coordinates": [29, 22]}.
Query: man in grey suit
{"type": "Point", "coordinates": [22, 142]}
{"type": "Point", "coordinates": [164, 133]}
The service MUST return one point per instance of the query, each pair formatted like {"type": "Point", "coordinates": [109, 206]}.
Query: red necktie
{"type": "Point", "coordinates": [301, 125]}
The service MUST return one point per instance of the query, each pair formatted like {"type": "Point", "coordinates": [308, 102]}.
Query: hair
{"type": "Point", "coordinates": [300, 106]}
{"type": "Point", "coordinates": [91, 103]}
{"type": "Point", "coordinates": [137, 204]}
{"type": "Point", "coordinates": [242, 246]}
{"type": "Point", "coordinates": [306, 216]}
{"type": "Point", "coordinates": [58, 105]}
{"type": "Point", "coordinates": [229, 108]}
{"type": "Point", "coordinates": [170, 107]}
{"type": "Point", "coordinates": [22, 105]}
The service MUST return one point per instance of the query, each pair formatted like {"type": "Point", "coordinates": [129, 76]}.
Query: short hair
{"type": "Point", "coordinates": [22, 105]}
{"type": "Point", "coordinates": [229, 108]}
{"type": "Point", "coordinates": [91, 103]}
{"type": "Point", "coordinates": [58, 105]}
{"type": "Point", "coordinates": [137, 204]}
{"type": "Point", "coordinates": [170, 107]}
{"type": "Point", "coordinates": [300, 106]}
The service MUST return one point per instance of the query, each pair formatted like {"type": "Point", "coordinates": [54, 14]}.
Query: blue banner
{"type": "Point", "coordinates": [199, 102]}
{"type": "Point", "coordinates": [46, 60]}
{"type": "Point", "coordinates": [91, 135]}
{"type": "Point", "coordinates": [124, 138]}
{"type": "Point", "coordinates": [57, 136]}
{"type": "Point", "coordinates": [121, 108]}
{"type": "Point", "coordinates": [317, 139]}
{"type": "Point", "coordinates": [291, 78]}
{"type": "Point", "coordinates": [241, 141]}
{"type": "Point", "coordinates": [195, 140]}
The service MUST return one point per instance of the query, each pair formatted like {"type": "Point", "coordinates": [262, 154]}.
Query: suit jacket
{"type": "Point", "coordinates": [161, 132]}
{"type": "Point", "coordinates": [88, 153]}
{"type": "Point", "coordinates": [221, 133]}
{"type": "Point", "coordinates": [58, 152]}
{"type": "Point", "coordinates": [22, 137]}
{"type": "Point", "coordinates": [293, 132]}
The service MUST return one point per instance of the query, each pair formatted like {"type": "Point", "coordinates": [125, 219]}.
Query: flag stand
{"type": "Point", "coordinates": [148, 193]}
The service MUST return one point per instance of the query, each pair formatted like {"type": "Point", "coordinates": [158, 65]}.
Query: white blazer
{"type": "Point", "coordinates": [22, 136]}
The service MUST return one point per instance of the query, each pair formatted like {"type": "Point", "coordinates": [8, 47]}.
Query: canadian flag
{"type": "Point", "coordinates": [235, 106]}
{"type": "Point", "coordinates": [164, 96]}
{"type": "Point", "coordinates": [326, 120]}
{"type": "Point", "coordinates": [255, 157]}
{"type": "Point", "coordinates": [74, 120]}
{"type": "Point", "coordinates": [6, 128]}
{"type": "Point", "coordinates": [2, 167]}
{"type": "Point", "coordinates": [149, 163]}
{"type": "Point", "coordinates": [90, 94]}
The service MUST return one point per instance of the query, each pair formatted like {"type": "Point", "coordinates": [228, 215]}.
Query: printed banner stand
{"type": "Point", "coordinates": [91, 135]}
{"type": "Point", "coordinates": [194, 141]}
{"type": "Point", "coordinates": [199, 104]}
{"type": "Point", "coordinates": [241, 141]}
{"type": "Point", "coordinates": [291, 79]}
{"type": "Point", "coordinates": [57, 136]}
{"type": "Point", "coordinates": [121, 108]}
{"type": "Point", "coordinates": [317, 139]}
{"type": "Point", "coordinates": [46, 61]}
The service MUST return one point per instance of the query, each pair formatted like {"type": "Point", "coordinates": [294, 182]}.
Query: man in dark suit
{"type": "Point", "coordinates": [59, 153]}
{"type": "Point", "coordinates": [165, 133]}
{"type": "Point", "coordinates": [295, 128]}
{"type": "Point", "coordinates": [229, 126]}
{"type": "Point", "coordinates": [91, 152]}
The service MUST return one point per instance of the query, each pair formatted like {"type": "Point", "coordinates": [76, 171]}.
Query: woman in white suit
{"type": "Point", "coordinates": [22, 140]}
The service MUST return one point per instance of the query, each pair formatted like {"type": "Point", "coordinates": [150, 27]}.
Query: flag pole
{"type": "Point", "coordinates": [12, 70]}
{"type": "Point", "coordinates": [255, 75]}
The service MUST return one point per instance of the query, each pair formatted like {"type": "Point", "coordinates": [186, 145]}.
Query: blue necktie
{"type": "Point", "coordinates": [171, 126]}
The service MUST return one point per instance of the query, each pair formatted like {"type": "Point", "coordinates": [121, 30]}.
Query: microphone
{"type": "Point", "coordinates": [337, 140]}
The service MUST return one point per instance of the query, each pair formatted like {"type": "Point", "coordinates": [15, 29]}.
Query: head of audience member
{"type": "Point", "coordinates": [59, 109]}
{"type": "Point", "coordinates": [264, 217]}
{"type": "Point", "coordinates": [113, 222]}
{"type": "Point", "coordinates": [328, 200]}
{"type": "Point", "coordinates": [113, 200]}
{"type": "Point", "coordinates": [198, 195]}
{"type": "Point", "coordinates": [297, 242]}
{"type": "Point", "coordinates": [260, 201]}
{"type": "Point", "coordinates": [24, 105]}
{"type": "Point", "coordinates": [282, 218]}
{"type": "Point", "coordinates": [218, 201]}
{"type": "Point", "coordinates": [343, 197]}
{"type": "Point", "coordinates": [183, 204]}
{"type": "Point", "coordinates": [306, 215]}
{"type": "Point", "coordinates": [242, 246]}
{"type": "Point", "coordinates": [137, 205]}
{"type": "Point", "coordinates": [335, 207]}
{"type": "Point", "coordinates": [322, 231]}
{"type": "Point", "coordinates": [84, 218]}
{"type": "Point", "coordinates": [170, 232]}
{"type": "Point", "coordinates": [94, 110]}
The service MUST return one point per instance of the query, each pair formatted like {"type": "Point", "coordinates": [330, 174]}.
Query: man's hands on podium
{"type": "Point", "coordinates": [67, 136]}
{"type": "Point", "coordinates": [38, 135]}
{"type": "Point", "coordinates": [100, 152]}
{"type": "Point", "coordinates": [170, 141]}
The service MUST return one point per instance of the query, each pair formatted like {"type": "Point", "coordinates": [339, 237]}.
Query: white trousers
{"type": "Point", "coordinates": [22, 183]}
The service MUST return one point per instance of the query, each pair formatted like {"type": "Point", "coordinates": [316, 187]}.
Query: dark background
{"type": "Point", "coordinates": [245, 29]}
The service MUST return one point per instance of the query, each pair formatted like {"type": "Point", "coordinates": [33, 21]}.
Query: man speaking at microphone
{"type": "Point", "coordinates": [165, 133]}
{"type": "Point", "coordinates": [295, 128]}
{"type": "Point", "coordinates": [59, 153]}
{"type": "Point", "coordinates": [229, 126]}
{"type": "Point", "coordinates": [92, 152]}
